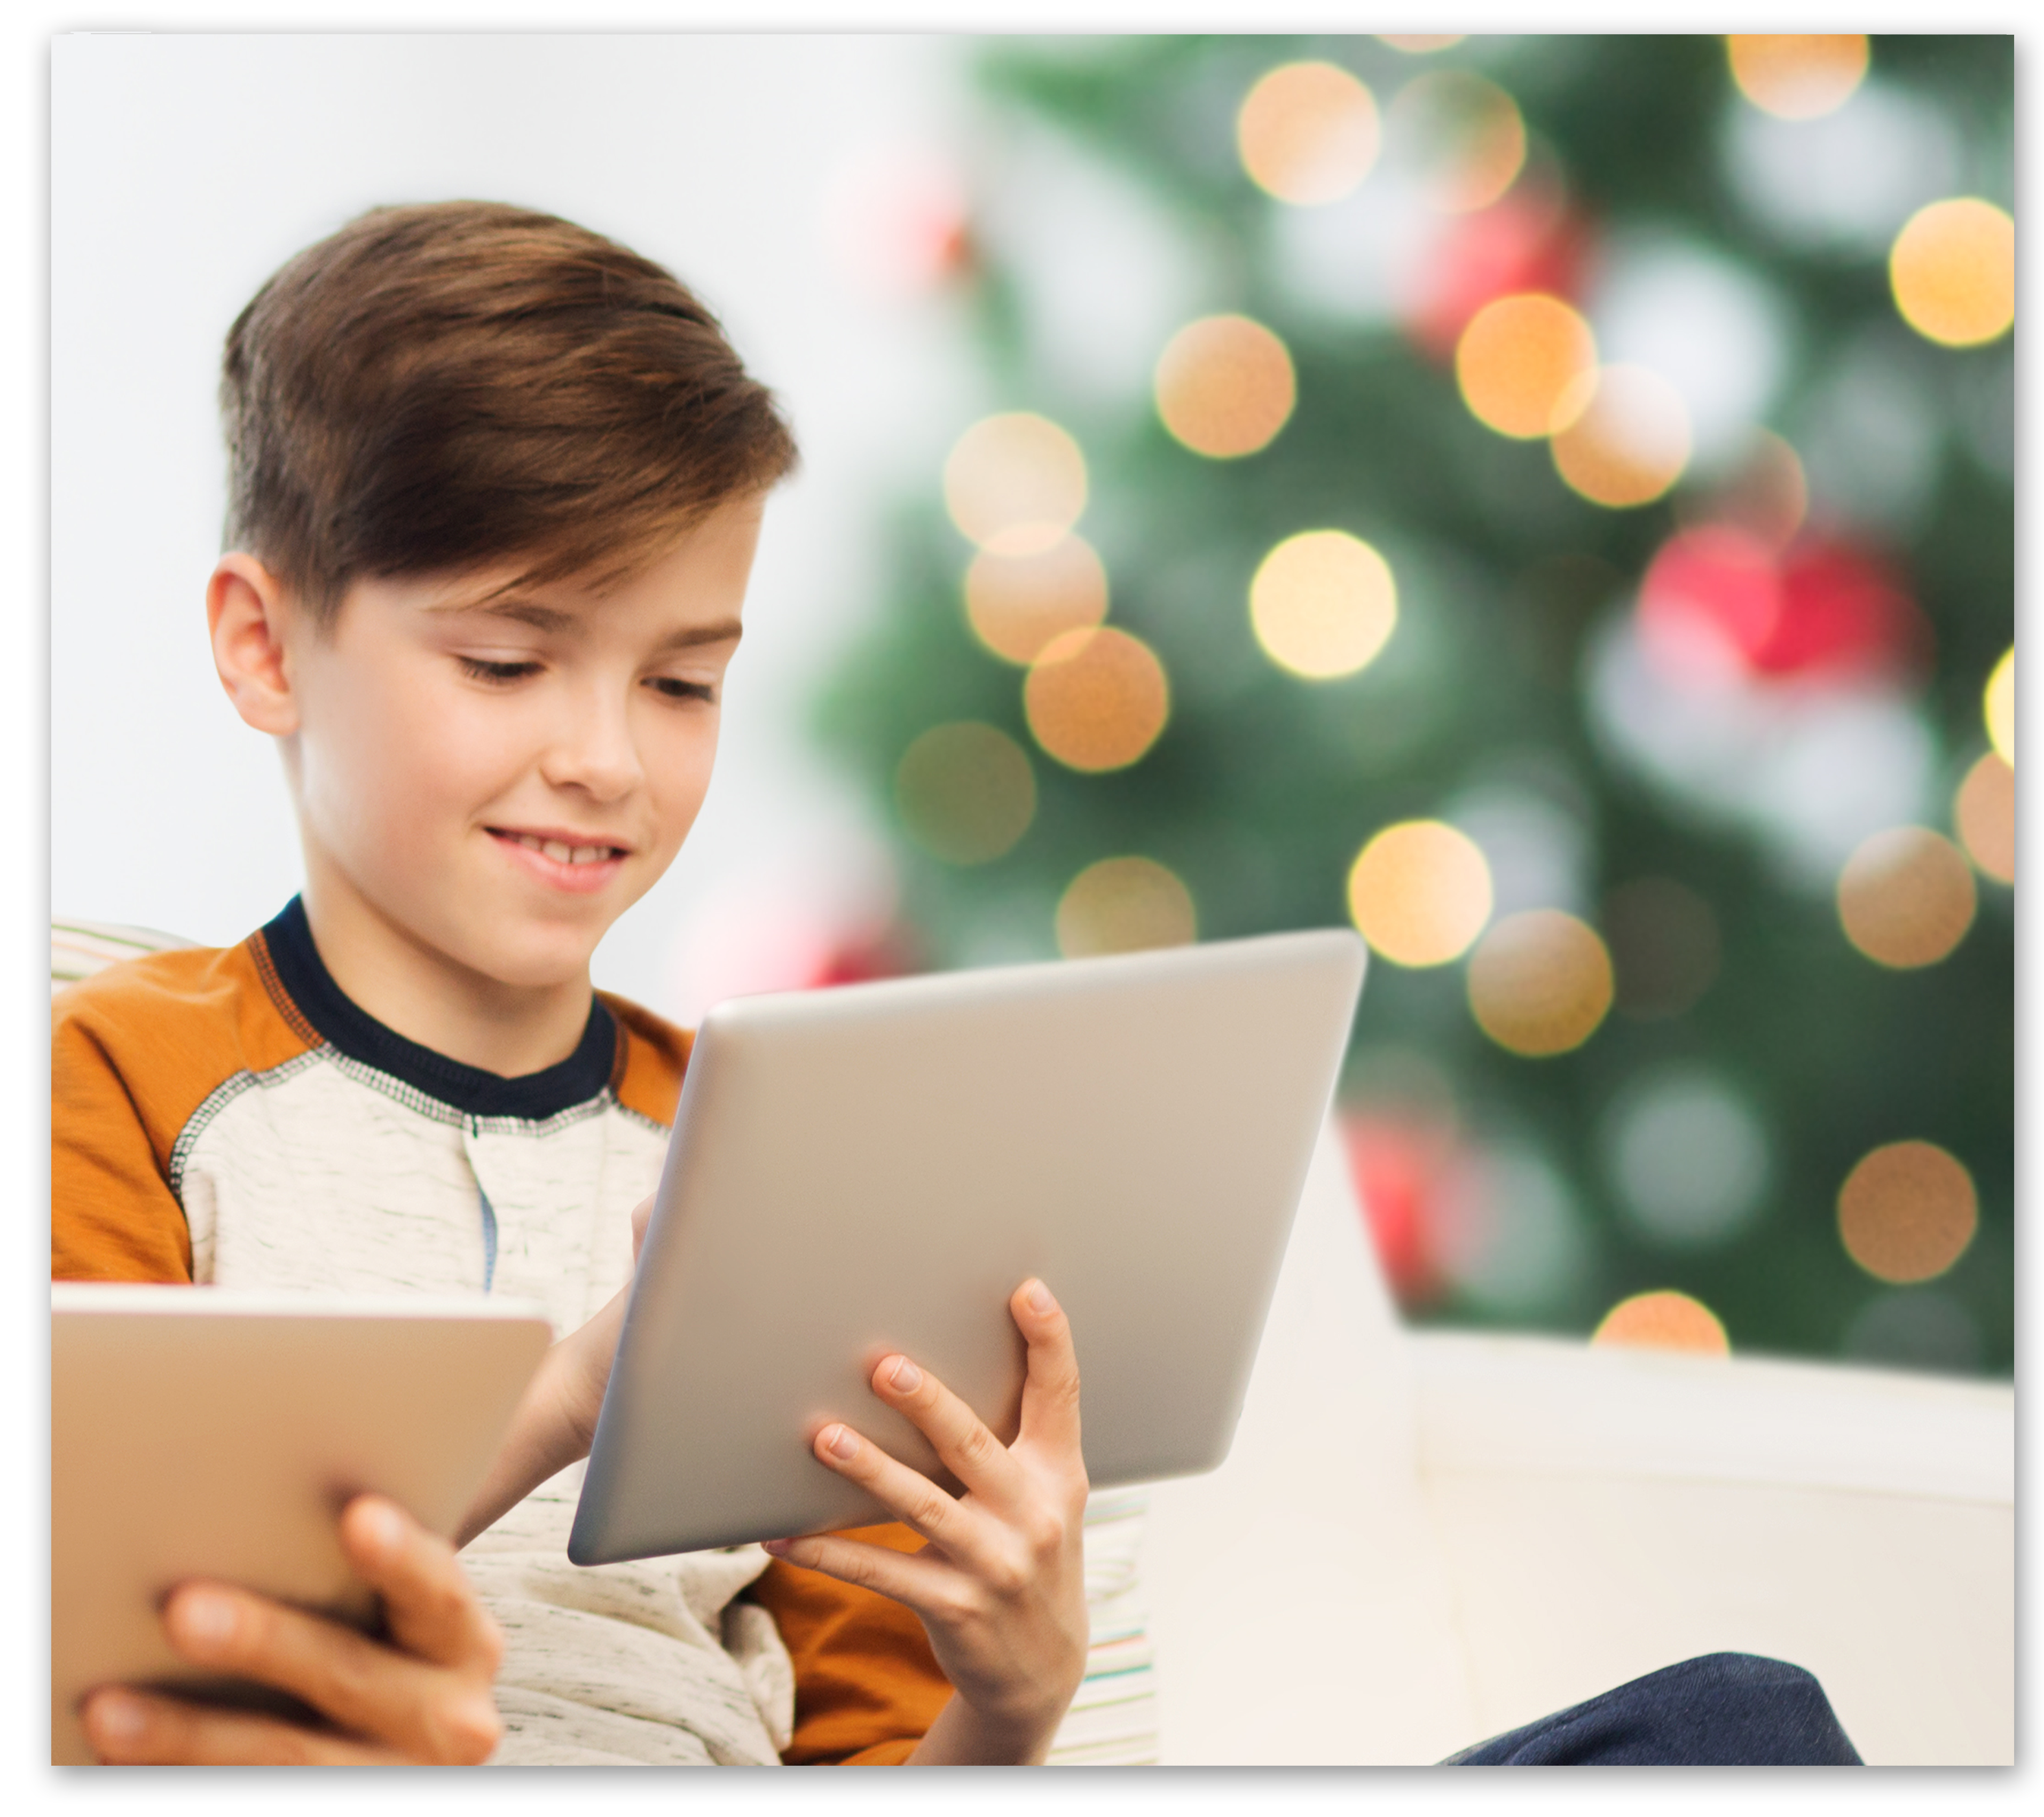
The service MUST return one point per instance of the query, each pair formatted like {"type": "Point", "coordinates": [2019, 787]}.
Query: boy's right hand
{"type": "Point", "coordinates": [423, 1696]}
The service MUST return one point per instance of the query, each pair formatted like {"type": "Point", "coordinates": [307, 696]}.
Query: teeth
{"type": "Point", "coordinates": [563, 853]}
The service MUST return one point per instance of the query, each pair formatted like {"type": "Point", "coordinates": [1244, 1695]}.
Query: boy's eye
{"type": "Point", "coordinates": [481, 668]}
{"type": "Point", "coordinates": [674, 688]}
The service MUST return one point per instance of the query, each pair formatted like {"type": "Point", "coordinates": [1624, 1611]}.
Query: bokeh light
{"type": "Point", "coordinates": [1308, 133]}
{"type": "Point", "coordinates": [1519, 359]}
{"type": "Point", "coordinates": [1540, 983]}
{"type": "Point", "coordinates": [1797, 75]}
{"type": "Point", "coordinates": [1017, 604]}
{"type": "Point", "coordinates": [1664, 946]}
{"type": "Point", "coordinates": [1688, 1157]}
{"type": "Point", "coordinates": [1124, 905]}
{"type": "Point", "coordinates": [1420, 892]}
{"type": "Point", "coordinates": [1984, 813]}
{"type": "Point", "coordinates": [1506, 1230]}
{"type": "Point", "coordinates": [1097, 699]}
{"type": "Point", "coordinates": [1908, 1212]}
{"type": "Point", "coordinates": [1323, 603]}
{"type": "Point", "coordinates": [1464, 134]}
{"type": "Point", "coordinates": [965, 792]}
{"type": "Point", "coordinates": [1664, 1320]}
{"type": "Point", "coordinates": [1953, 271]}
{"type": "Point", "coordinates": [1015, 483]}
{"type": "Point", "coordinates": [1916, 1328]}
{"type": "Point", "coordinates": [1225, 385]}
{"type": "Point", "coordinates": [1766, 496]}
{"type": "Point", "coordinates": [1998, 708]}
{"type": "Point", "coordinates": [1625, 437]}
{"type": "Point", "coordinates": [1421, 44]}
{"type": "Point", "coordinates": [1906, 897]}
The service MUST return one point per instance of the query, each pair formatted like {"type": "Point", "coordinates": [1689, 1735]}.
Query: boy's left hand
{"type": "Point", "coordinates": [1000, 1586]}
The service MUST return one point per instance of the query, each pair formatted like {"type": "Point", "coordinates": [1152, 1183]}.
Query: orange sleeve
{"type": "Point", "coordinates": [868, 1687]}
{"type": "Point", "coordinates": [134, 1052]}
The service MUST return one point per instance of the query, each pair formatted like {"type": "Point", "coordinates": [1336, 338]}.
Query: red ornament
{"type": "Point", "coordinates": [1717, 599]}
{"type": "Point", "coordinates": [1396, 1170]}
{"type": "Point", "coordinates": [1529, 240]}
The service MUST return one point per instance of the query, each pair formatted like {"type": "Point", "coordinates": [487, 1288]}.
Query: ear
{"type": "Point", "coordinates": [247, 608]}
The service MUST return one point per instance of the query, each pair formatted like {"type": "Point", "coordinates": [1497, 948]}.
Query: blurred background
{"type": "Point", "coordinates": [1546, 500]}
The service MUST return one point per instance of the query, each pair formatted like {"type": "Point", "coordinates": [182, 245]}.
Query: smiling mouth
{"type": "Point", "coordinates": [559, 850]}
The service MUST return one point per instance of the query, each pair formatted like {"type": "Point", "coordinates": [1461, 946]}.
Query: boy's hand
{"type": "Point", "coordinates": [423, 1696]}
{"type": "Point", "coordinates": [1000, 1588]}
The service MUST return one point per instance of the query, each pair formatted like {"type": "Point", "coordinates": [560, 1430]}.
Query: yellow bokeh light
{"type": "Point", "coordinates": [1998, 707]}
{"type": "Point", "coordinates": [1420, 44]}
{"type": "Point", "coordinates": [1017, 604]}
{"type": "Point", "coordinates": [1308, 133]}
{"type": "Point", "coordinates": [1984, 813]}
{"type": "Point", "coordinates": [1225, 385]}
{"type": "Point", "coordinates": [1906, 898]}
{"type": "Point", "coordinates": [1124, 905]}
{"type": "Point", "coordinates": [1540, 983]}
{"type": "Point", "coordinates": [1797, 75]}
{"type": "Point", "coordinates": [1953, 271]}
{"type": "Point", "coordinates": [1519, 358]}
{"type": "Point", "coordinates": [1625, 437]}
{"type": "Point", "coordinates": [1664, 1320]}
{"type": "Point", "coordinates": [1465, 134]}
{"type": "Point", "coordinates": [965, 792]}
{"type": "Point", "coordinates": [1420, 892]}
{"type": "Point", "coordinates": [1323, 603]}
{"type": "Point", "coordinates": [1015, 483]}
{"type": "Point", "coordinates": [1097, 699]}
{"type": "Point", "coordinates": [1907, 1212]}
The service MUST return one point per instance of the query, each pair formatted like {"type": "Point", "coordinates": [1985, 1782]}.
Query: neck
{"type": "Point", "coordinates": [427, 998]}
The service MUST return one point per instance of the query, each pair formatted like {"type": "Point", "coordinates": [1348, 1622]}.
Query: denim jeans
{"type": "Point", "coordinates": [1724, 1709]}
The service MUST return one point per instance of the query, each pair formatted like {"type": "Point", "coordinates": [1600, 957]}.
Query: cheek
{"type": "Point", "coordinates": [678, 754]}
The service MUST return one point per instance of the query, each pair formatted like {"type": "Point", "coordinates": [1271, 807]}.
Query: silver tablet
{"type": "Point", "coordinates": [878, 1167]}
{"type": "Point", "coordinates": [205, 1432]}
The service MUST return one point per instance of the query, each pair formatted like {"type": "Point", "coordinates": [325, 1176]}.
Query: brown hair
{"type": "Point", "coordinates": [437, 387]}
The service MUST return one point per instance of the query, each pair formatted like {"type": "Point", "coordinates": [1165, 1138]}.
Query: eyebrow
{"type": "Point", "coordinates": [551, 619]}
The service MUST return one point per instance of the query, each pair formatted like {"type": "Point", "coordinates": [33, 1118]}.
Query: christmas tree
{"type": "Point", "coordinates": [1549, 502]}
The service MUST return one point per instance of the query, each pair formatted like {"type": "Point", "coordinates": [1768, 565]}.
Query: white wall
{"type": "Point", "coordinates": [185, 169]}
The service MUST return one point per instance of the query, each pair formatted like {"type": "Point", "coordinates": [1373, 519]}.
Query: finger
{"type": "Point", "coordinates": [642, 1215]}
{"type": "Point", "coordinates": [430, 1606]}
{"type": "Point", "coordinates": [957, 1435]}
{"type": "Point", "coordinates": [907, 1495]}
{"type": "Point", "coordinates": [424, 1711]}
{"type": "Point", "coordinates": [1050, 1390]}
{"type": "Point", "coordinates": [131, 1728]}
{"type": "Point", "coordinates": [916, 1579]}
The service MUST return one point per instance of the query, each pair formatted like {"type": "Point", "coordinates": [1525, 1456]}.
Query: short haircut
{"type": "Point", "coordinates": [464, 384]}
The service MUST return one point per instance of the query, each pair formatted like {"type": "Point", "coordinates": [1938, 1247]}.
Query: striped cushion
{"type": "Point", "coordinates": [78, 949]}
{"type": "Point", "coordinates": [1113, 1721]}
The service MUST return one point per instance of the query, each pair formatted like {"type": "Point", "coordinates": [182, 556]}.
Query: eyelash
{"type": "Point", "coordinates": [502, 674]}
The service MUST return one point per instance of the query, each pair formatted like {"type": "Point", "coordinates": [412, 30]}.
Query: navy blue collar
{"type": "Point", "coordinates": [353, 1032]}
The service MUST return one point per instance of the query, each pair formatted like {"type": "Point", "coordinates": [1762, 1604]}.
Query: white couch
{"type": "Point", "coordinates": [1422, 1539]}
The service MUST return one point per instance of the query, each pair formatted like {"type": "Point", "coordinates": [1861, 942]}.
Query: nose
{"type": "Point", "coordinates": [592, 749]}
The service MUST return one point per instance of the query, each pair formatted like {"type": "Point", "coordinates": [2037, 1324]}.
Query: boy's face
{"type": "Point", "coordinates": [495, 780]}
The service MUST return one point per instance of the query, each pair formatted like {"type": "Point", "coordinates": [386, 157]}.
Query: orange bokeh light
{"type": "Point", "coordinates": [1097, 699]}
{"type": "Point", "coordinates": [1540, 983]}
{"type": "Point", "coordinates": [1797, 75]}
{"type": "Point", "coordinates": [1953, 271]}
{"type": "Point", "coordinates": [1465, 134]}
{"type": "Point", "coordinates": [1906, 898]}
{"type": "Point", "coordinates": [1124, 905]}
{"type": "Point", "coordinates": [1664, 1320]}
{"type": "Point", "coordinates": [1323, 603]}
{"type": "Point", "coordinates": [1625, 436]}
{"type": "Point", "coordinates": [1308, 133]}
{"type": "Point", "coordinates": [1225, 385]}
{"type": "Point", "coordinates": [1015, 483]}
{"type": "Point", "coordinates": [1420, 892]}
{"type": "Point", "coordinates": [1518, 360]}
{"type": "Point", "coordinates": [1017, 604]}
{"type": "Point", "coordinates": [965, 792]}
{"type": "Point", "coordinates": [1908, 1211]}
{"type": "Point", "coordinates": [1984, 813]}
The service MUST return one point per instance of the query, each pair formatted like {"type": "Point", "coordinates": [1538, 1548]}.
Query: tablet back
{"type": "Point", "coordinates": [878, 1167]}
{"type": "Point", "coordinates": [204, 1432]}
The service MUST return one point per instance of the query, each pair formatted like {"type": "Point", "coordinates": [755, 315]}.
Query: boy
{"type": "Point", "coordinates": [495, 485]}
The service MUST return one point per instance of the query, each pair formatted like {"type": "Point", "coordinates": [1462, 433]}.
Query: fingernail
{"type": "Point", "coordinates": [1039, 1299]}
{"type": "Point", "coordinates": [778, 1547]}
{"type": "Point", "coordinates": [840, 1442]}
{"type": "Point", "coordinates": [116, 1717]}
{"type": "Point", "coordinates": [906, 1378]}
{"type": "Point", "coordinates": [205, 1619]}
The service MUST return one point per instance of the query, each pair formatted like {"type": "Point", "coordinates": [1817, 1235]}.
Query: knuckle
{"type": "Point", "coordinates": [1007, 1574]}
{"type": "Point", "coordinates": [977, 1447]}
